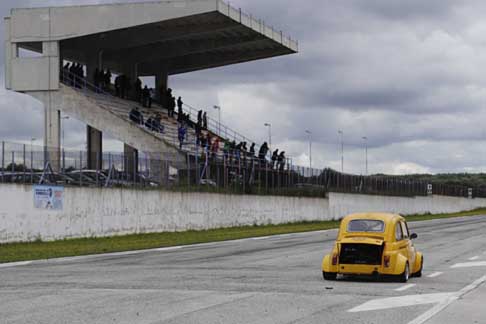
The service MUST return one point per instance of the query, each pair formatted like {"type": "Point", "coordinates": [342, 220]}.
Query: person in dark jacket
{"type": "Point", "coordinates": [252, 151]}
{"type": "Point", "coordinates": [180, 112]}
{"type": "Point", "coordinates": [281, 161]}
{"type": "Point", "coordinates": [136, 116]}
{"type": "Point", "coordinates": [262, 153]}
{"type": "Point", "coordinates": [205, 121]}
{"type": "Point", "coordinates": [181, 132]}
{"type": "Point", "coordinates": [138, 90]}
{"type": "Point", "coordinates": [145, 96]}
{"type": "Point", "coordinates": [274, 158]}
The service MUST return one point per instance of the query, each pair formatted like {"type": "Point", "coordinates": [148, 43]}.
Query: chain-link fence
{"type": "Point", "coordinates": [205, 171]}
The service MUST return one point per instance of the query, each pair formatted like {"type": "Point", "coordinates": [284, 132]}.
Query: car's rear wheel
{"type": "Point", "coordinates": [329, 275]}
{"type": "Point", "coordinates": [418, 274]}
{"type": "Point", "coordinates": [405, 274]}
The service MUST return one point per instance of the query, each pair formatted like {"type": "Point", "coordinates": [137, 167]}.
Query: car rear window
{"type": "Point", "coordinates": [366, 225]}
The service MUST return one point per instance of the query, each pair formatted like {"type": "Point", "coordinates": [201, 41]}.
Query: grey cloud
{"type": "Point", "coordinates": [407, 74]}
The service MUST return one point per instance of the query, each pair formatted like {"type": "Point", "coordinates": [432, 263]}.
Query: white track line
{"type": "Point", "coordinates": [401, 301]}
{"type": "Point", "coordinates": [403, 288]}
{"type": "Point", "coordinates": [469, 264]}
{"type": "Point", "coordinates": [441, 306]}
{"type": "Point", "coordinates": [435, 274]}
{"type": "Point", "coordinates": [164, 249]}
{"type": "Point", "coordinates": [14, 264]}
{"type": "Point", "coordinates": [474, 258]}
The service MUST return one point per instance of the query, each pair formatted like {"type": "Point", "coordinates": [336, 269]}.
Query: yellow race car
{"type": "Point", "coordinates": [376, 244]}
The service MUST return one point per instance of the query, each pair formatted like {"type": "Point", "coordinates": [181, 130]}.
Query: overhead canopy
{"type": "Point", "coordinates": [176, 36]}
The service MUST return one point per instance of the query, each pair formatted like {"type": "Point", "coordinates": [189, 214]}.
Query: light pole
{"type": "Point", "coordinates": [308, 132]}
{"type": "Point", "coordinates": [219, 119]}
{"type": "Point", "coordinates": [340, 132]}
{"type": "Point", "coordinates": [269, 135]}
{"type": "Point", "coordinates": [32, 143]}
{"type": "Point", "coordinates": [366, 153]}
{"type": "Point", "coordinates": [63, 118]}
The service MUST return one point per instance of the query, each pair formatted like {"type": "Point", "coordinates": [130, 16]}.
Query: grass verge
{"type": "Point", "coordinates": [75, 247]}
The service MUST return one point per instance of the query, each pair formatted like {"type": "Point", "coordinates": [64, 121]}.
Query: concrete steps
{"type": "Point", "coordinates": [110, 115]}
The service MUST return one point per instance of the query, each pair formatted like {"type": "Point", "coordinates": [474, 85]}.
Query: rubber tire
{"type": "Point", "coordinates": [418, 274]}
{"type": "Point", "coordinates": [405, 275]}
{"type": "Point", "coordinates": [329, 275]}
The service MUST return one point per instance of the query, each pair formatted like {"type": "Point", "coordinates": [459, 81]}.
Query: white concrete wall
{"type": "Point", "coordinates": [342, 204]}
{"type": "Point", "coordinates": [103, 212]}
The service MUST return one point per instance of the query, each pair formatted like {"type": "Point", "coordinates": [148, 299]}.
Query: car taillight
{"type": "Point", "coordinates": [386, 261]}
{"type": "Point", "coordinates": [334, 259]}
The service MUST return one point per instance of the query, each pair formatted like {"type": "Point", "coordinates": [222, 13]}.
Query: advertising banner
{"type": "Point", "coordinates": [48, 197]}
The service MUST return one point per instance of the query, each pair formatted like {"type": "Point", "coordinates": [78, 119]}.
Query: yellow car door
{"type": "Point", "coordinates": [411, 254]}
{"type": "Point", "coordinates": [402, 244]}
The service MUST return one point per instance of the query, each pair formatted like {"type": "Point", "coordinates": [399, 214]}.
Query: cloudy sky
{"type": "Point", "coordinates": [408, 75]}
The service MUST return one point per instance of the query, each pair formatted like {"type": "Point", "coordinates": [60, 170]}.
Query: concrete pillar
{"type": "Point", "coordinates": [94, 138]}
{"type": "Point", "coordinates": [161, 85]}
{"type": "Point", "coordinates": [131, 161]}
{"type": "Point", "coordinates": [91, 65]}
{"type": "Point", "coordinates": [159, 168]}
{"type": "Point", "coordinates": [52, 134]}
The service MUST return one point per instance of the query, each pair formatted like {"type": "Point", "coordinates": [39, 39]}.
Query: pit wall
{"type": "Point", "coordinates": [93, 212]}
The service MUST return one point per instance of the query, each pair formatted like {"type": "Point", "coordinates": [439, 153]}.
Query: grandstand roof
{"type": "Point", "coordinates": [177, 36]}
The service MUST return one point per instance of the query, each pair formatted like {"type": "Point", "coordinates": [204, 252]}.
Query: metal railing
{"type": "Point", "coordinates": [222, 131]}
{"type": "Point", "coordinates": [208, 170]}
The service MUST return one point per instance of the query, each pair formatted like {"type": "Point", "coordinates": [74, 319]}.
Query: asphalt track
{"type": "Point", "coordinates": [265, 280]}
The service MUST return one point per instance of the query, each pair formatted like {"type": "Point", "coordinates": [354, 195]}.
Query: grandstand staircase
{"type": "Point", "coordinates": [110, 114]}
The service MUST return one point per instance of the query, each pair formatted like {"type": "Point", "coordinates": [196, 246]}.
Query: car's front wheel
{"type": "Point", "coordinates": [329, 275]}
{"type": "Point", "coordinates": [405, 274]}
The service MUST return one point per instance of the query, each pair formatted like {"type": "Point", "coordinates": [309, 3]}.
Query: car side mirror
{"type": "Point", "coordinates": [413, 236]}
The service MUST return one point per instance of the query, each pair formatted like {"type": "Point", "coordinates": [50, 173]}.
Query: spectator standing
{"type": "Point", "coordinates": [145, 96]}
{"type": "Point", "coordinates": [252, 151]}
{"type": "Point", "coordinates": [262, 153]}
{"type": "Point", "coordinates": [179, 109]}
{"type": "Point", "coordinates": [199, 117]}
{"type": "Point", "coordinates": [107, 79]}
{"type": "Point", "coordinates": [181, 134]}
{"type": "Point", "coordinates": [172, 105]}
{"type": "Point", "coordinates": [215, 147]}
{"type": "Point", "coordinates": [198, 133]}
{"type": "Point", "coordinates": [281, 161]}
{"type": "Point", "coordinates": [118, 85]}
{"type": "Point", "coordinates": [274, 158]}
{"type": "Point", "coordinates": [226, 149]}
{"type": "Point", "coordinates": [238, 151]}
{"type": "Point", "coordinates": [151, 97]}
{"type": "Point", "coordinates": [138, 90]}
{"type": "Point", "coordinates": [205, 120]}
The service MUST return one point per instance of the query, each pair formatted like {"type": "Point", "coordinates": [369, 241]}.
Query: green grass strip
{"type": "Point", "coordinates": [75, 247]}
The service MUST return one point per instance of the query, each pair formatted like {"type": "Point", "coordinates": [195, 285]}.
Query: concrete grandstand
{"type": "Point", "coordinates": [160, 39]}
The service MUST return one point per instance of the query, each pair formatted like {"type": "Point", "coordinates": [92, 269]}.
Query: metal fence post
{"type": "Point", "coordinates": [135, 167]}
{"type": "Point", "coordinates": [80, 168]}
{"type": "Point", "coordinates": [24, 168]}
{"type": "Point", "coordinates": [63, 162]}
{"type": "Point", "coordinates": [97, 168]}
{"type": "Point", "coordinates": [3, 160]}
{"type": "Point", "coordinates": [188, 170]}
{"type": "Point", "coordinates": [13, 167]}
{"type": "Point", "coordinates": [31, 165]}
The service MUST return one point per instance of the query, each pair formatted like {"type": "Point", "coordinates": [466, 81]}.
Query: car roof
{"type": "Point", "coordinates": [385, 217]}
